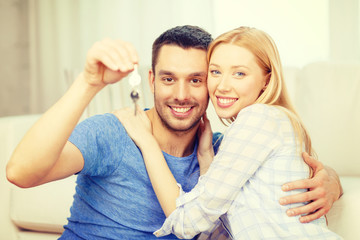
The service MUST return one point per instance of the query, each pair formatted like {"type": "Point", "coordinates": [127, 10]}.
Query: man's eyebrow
{"type": "Point", "coordinates": [165, 72]}
{"type": "Point", "coordinates": [200, 74]}
{"type": "Point", "coordinates": [169, 73]}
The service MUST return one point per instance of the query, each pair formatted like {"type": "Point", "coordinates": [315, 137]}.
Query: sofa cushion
{"type": "Point", "coordinates": [26, 235]}
{"type": "Point", "coordinates": [43, 208]}
{"type": "Point", "coordinates": [328, 101]}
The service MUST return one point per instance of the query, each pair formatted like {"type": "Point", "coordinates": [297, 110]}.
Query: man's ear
{"type": "Point", "coordinates": [151, 81]}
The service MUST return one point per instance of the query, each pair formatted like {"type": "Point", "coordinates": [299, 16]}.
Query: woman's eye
{"type": "Point", "coordinates": [214, 72]}
{"type": "Point", "coordinates": [239, 74]}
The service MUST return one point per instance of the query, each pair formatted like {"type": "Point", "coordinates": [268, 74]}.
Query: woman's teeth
{"type": "Point", "coordinates": [226, 100]}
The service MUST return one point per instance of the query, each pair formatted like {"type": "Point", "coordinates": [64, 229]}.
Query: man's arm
{"type": "Point", "coordinates": [44, 154]}
{"type": "Point", "coordinates": [324, 189]}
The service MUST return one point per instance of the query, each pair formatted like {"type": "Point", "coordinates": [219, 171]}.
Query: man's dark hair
{"type": "Point", "coordinates": [183, 36]}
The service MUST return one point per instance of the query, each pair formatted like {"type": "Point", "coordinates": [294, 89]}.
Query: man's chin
{"type": "Point", "coordinates": [180, 127]}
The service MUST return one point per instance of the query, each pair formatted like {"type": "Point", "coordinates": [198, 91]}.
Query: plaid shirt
{"type": "Point", "coordinates": [241, 190]}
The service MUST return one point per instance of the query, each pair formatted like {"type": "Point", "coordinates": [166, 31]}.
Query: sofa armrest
{"type": "Point", "coordinates": [343, 216]}
{"type": "Point", "coordinates": [43, 208]}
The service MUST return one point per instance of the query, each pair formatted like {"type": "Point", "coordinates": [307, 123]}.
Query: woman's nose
{"type": "Point", "coordinates": [224, 84]}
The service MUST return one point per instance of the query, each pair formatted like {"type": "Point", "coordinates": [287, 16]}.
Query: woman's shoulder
{"type": "Point", "coordinates": [261, 120]}
{"type": "Point", "coordinates": [261, 116]}
{"type": "Point", "coordinates": [261, 109]}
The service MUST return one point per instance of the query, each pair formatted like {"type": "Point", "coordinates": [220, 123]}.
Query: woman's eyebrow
{"type": "Point", "coordinates": [234, 66]}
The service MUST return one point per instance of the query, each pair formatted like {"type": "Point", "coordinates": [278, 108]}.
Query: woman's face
{"type": "Point", "coordinates": [235, 80]}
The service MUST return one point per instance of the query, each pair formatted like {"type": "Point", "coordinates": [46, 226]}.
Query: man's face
{"type": "Point", "coordinates": [179, 87]}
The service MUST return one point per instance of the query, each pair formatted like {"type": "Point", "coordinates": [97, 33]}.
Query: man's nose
{"type": "Point", "coordinates": [182, 91]}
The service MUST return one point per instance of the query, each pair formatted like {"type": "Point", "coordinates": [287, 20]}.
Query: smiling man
{"type": "Point", "coordinates": [178, 83]}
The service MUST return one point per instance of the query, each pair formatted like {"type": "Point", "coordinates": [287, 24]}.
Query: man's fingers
{"type": "Point", "coordinates": [123, 52]}
{"type": "Point", "coordinates": [115, 54]}
{"type": "Point", "coordinates": [306, 209]}
{"type": "Point", "coordinates": [313, 216]}
{"type": "Point", "coordinates": [312, 162]}
{"type": "Point", "coordinates": [298, 198]}
{"type": "Point", "coordinates": [117, 51]}
{"type": "Point", "coordinates": [94, 58]}
{"type": "Point", "coordinates": [101, 52]}
{"type": "Point", "coordinates": [299, 184]}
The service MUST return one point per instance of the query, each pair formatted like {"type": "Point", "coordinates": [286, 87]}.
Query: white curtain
{"type": "Point", "coordinates": [62, 31]}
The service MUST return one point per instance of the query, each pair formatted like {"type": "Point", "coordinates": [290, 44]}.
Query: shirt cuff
{"type": "Point", "coordinates": [172, 224]}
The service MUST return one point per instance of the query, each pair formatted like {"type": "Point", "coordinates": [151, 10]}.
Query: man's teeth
{"type": "Point", "coordinates": [181, 110]}
{"type": "Point", "coordinates": [227, 100]}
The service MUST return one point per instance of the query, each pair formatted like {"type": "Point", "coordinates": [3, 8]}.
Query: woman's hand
{"type": "Point", "coordinates": [137, 126]}
{"type": "Point", "coordinates": [324, 190]}
{"type": "Point", "coordinates": [205, 151]}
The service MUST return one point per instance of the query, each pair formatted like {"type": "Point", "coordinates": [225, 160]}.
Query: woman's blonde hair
{"type": "Point", "coordinates": [267, 57]}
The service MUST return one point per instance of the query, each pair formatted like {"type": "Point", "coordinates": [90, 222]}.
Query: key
{"type": "Point", "coordinates": [134, 81]}
{"type": "Point", "coordinates": [135, 97]}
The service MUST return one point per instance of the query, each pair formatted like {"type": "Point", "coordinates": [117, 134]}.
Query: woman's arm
{"type": "Point", "coordinates": [205, 151]}
{"type": "Point", "coordinates": [164, 184]}
{"type": "Point", "coordinates": [162, 180]}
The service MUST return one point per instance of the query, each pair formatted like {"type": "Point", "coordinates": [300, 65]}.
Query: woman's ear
{"type": "Point", "coordinates": [266, 81]}
{"type": "Point", "coordinates": [151, 79]}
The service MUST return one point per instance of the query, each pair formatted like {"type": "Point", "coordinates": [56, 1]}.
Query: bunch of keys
{"type": "Point", "coordinates": [134, 81]}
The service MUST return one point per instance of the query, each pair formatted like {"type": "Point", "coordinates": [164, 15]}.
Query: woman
{"type": "Point", "coordinates": [260, 151]}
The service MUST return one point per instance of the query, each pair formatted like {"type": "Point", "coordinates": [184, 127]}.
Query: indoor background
{"type": "Point", "coordinates": [44, 43]}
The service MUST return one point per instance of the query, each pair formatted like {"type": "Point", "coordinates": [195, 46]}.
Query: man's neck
{"type": "Point", "coordinates": [175, 143]}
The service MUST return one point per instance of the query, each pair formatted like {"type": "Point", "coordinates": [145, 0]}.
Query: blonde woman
{"type": "Point", "coordinates": [260, 150]}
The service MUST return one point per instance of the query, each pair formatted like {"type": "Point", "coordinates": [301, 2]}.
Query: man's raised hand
{"type": "Point", "coordinates": [108, 61]}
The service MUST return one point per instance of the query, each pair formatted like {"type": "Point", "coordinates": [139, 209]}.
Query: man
{"type": "Point", "coordinates": [114, 198]}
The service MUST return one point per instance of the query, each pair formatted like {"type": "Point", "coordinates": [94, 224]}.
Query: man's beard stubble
{"type": "Point", "coordinates": [167, 124]}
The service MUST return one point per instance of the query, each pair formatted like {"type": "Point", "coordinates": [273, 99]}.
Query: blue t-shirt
{"type": "Point", "coordinates": [114, 197]}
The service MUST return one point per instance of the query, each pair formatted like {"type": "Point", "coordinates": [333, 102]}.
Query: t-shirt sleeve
{"type": "Point", "coordinates": [217, 138]}
{"type": "Point", "coordinates": [98, 138]}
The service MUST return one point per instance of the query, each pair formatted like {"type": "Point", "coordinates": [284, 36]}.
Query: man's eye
{"type": "Point", "coordinates": [195, 80]}
{"type": "Point", "coordinates": [168, 79]}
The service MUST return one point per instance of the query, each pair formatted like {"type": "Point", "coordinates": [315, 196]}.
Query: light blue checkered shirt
{"type": "Point", "coordinates": [241, 190]}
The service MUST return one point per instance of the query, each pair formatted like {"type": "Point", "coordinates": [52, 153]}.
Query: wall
{"type": "Point", "coordinates": [14, 53]}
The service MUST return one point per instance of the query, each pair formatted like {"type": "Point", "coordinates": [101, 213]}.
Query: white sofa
{"type": "Point", "coordinates": [327, 96]}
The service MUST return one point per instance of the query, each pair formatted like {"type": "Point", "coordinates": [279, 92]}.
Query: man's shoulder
{"type": "Point", "coordinates": [100, 121]}
{"type": "Point", "coordinates": [217, 138]}
{"type": "Point", "coordinates": [99, 126]}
